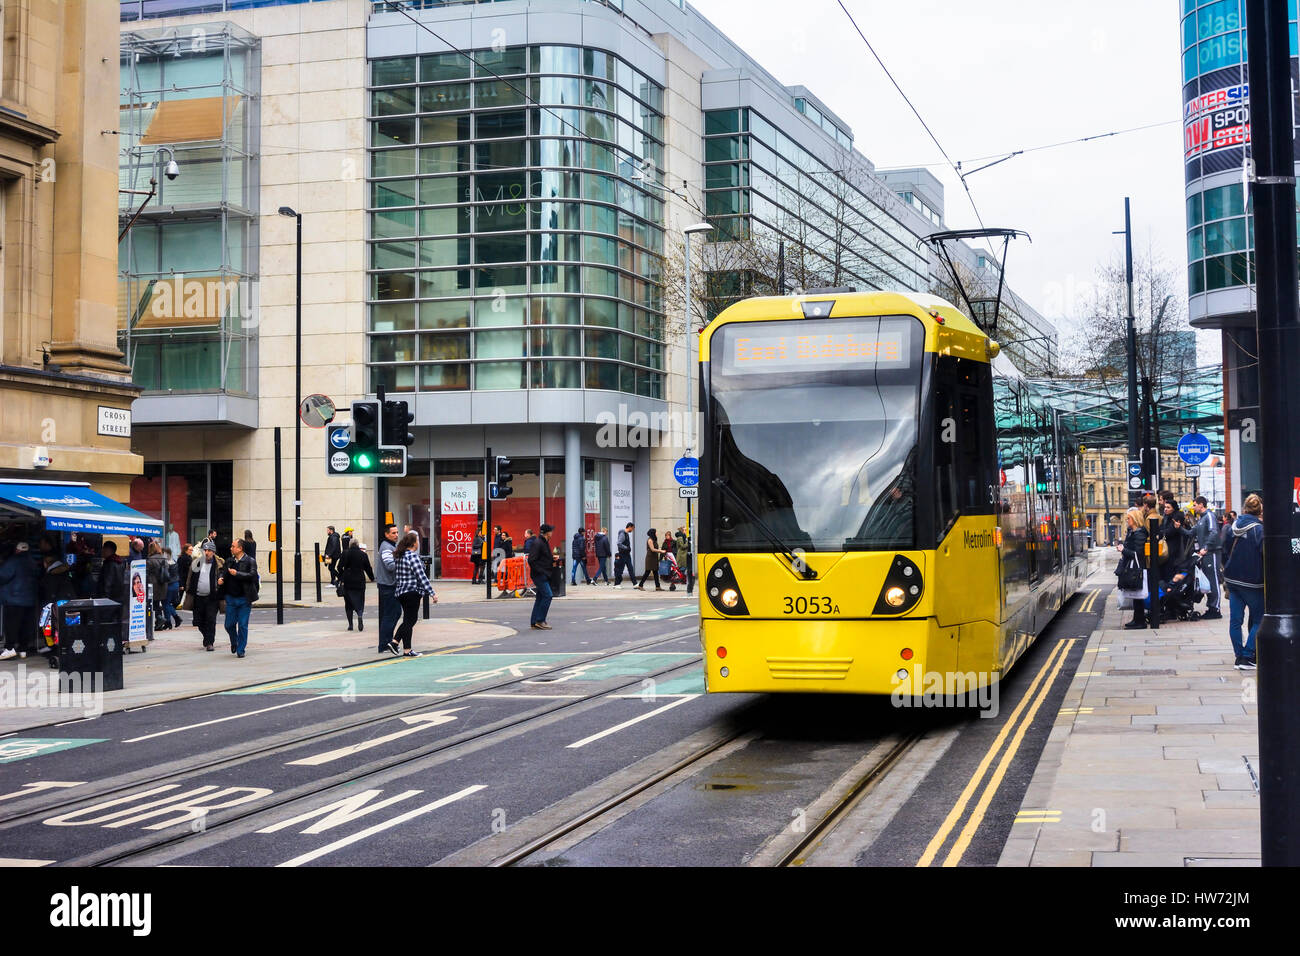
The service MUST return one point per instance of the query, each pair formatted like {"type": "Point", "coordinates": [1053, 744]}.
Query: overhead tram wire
{"type": "Point", "coordinates": [955, 168]}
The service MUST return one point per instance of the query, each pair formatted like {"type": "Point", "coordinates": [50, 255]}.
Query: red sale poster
{"type": "Point", "coordinates": [459, 521]}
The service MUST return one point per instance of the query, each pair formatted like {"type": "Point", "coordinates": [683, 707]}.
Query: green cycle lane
{"type": "Point", "coordinates": [452, 673]}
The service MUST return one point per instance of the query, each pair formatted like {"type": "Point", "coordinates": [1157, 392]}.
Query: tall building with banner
{"type": "Point", "coordinates": [1220, 224]}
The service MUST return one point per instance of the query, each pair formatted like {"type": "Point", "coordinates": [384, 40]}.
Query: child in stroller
{"type": "Point", "coordinates": [1181, 591]}
{"type": "Point", "coordinates": [670, 571]}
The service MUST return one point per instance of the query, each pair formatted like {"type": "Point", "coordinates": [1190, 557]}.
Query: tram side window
{"type": "Point", "coordinates": [964, 451]}
{"type": "Point", "coordinates": [1013, 517]}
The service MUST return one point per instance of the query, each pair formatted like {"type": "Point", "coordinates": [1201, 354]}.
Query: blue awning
{"type": "Point", "coordinates": [73, 506]}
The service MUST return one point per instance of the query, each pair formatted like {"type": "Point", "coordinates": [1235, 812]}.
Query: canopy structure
{"type": "Point", "coordinates": [73, 506]}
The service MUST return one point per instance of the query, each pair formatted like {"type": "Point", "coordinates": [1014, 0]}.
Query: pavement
{"type": "Point", "coordinates": [1153, 757]}
{"type": "Point", "coordinates": [174, 665]}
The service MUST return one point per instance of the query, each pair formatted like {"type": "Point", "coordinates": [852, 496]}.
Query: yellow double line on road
{"type": "Point", "coordinates": [1020, 721]}
{"type": "Point", "coordinates": [1087, 605]}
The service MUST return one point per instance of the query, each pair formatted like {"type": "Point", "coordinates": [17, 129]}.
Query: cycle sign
{"type": "Point", "coordinates": [1193, 448]}
{"type": "Point", "coordinates": [687, 471]}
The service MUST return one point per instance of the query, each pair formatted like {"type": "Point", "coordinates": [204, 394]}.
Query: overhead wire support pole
{"type": "Point", "coordinates": [1277, 317]}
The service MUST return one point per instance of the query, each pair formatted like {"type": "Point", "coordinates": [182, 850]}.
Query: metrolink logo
{"type": "Point", "coordinates": [978, 539]}
{"type": "Point", "coordinates": [102, 910]}
{"type": "Point", "coordinates": [642, 430]}
{"type": "Point", "coordinates": [50, 688]}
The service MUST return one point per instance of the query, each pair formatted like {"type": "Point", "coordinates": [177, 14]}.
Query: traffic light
{"type": "Point", "coordinates": [1040, 474]}
{"type": "Point", "coordinates": [365, 436]}
{"type": "Point", "coordinates": [392, 431]}
{"type": "Point", "coordinates": [503, 478]}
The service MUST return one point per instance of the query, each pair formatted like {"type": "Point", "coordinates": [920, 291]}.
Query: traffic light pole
{"type": "Point", "coordinates": [1132, 345]}
{"type": "Point", "coordinates": [1277, 314]}
{"type": "Point", "coordinates": [489, 546]}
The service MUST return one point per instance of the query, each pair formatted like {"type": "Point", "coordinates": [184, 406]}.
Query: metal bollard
{"type": "Point", "coordinates": [317, 572]}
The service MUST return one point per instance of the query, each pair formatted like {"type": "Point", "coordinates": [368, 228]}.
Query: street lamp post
{"type": "Point", "coordinates": [297, 423]}
{"type": "Point", "coordinates": [701, 228]}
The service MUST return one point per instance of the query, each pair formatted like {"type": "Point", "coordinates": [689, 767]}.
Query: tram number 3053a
{"type": "Point", "coordinates": [810, 605]}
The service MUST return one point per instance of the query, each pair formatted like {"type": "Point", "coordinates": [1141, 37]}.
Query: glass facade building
{"type": "Point", "coordinates": [512, 245]}
{"type": "Point", "coordinates": [188, 265]}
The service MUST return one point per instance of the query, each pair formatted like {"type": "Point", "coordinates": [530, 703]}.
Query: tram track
{"type": "Point", "coordinates": [25, 810]}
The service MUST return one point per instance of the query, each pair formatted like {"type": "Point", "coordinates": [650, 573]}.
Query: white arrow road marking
{"type": "Point", "coordinates": [37, 785]}
{"type": "Point", "coordinates": [380, 827]}
{"type": "Point", "coordinates": [221, 720]}
{"type": "Point", "coordinates": [420, 721]}
{"type": "Point", "coordinates": [628, 723]}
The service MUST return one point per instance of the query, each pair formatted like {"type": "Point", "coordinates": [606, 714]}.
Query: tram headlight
{"type": "Point", "coordinates": [902, 588]}
{"type": "Point", "coordinates": [895, 597]}
{"type": "Point", "coordinates": [731, 597]}
{"type": "Point", "coordinates": [724, 590]}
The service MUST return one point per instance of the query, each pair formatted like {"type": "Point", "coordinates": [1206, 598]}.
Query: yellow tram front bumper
{"type": "Point", "coordinates": [881, 656]}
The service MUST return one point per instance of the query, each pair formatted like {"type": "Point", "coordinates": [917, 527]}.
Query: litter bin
{"type": "Point", "coordinates": [558, 582]}
{"type": "Point", "coordinates": [90, 642]}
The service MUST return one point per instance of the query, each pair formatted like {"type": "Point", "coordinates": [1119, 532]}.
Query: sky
{"type": "Point", "coordinates": [993, 77]}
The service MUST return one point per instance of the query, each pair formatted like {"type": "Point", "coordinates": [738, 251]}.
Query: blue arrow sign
{"type": "Point", "coordinates": [687, 471]}
{"type": "Point", "coordinates": [1193, 448]}
{"type": "Point", "coordinates": [339, 437]}
{"type": "Point", "coordinates": [1135, 469]}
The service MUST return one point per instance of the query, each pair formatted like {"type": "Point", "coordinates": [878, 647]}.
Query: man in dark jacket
{"type": "Point", "coordinates": [238, 584]}
{"type": "Point", "coordinates": [1243, 572]}
{"type": "Point", "coordinates": [1207, 553]}
{"type": "Point", "coordinates": [578, 552]}
{"type": "Point", "coordinates": [19, 574]}
{"type": "Point", "coordinates": [540, 563]}
{"type": "Point", "coordinates": [601, 544]}
{"type": "Point", "coordinates": [333, 549]}
{"type": "Point", "coordinates": [112, 574]}
{"type": "Point", "coordinates": [623, 560]}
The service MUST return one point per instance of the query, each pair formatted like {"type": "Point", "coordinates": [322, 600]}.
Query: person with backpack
{"type": "Point", "coordinates": [1243, 573]}
{"type": "Point", "coordinates": [1207, 552]}
{"type": "Point", "coordinates": [601, 545]}
{"type": "Point", "coordinates": [239, 582]}
{"type": "Point", "coordinates": [172, 592]}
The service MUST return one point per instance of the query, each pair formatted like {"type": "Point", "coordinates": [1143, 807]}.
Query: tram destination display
{"type": "Point", "coordinates": [845, 344]}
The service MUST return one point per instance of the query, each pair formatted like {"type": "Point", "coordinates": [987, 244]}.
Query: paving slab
{"type": "Point", "coordinates": [1148, 756]}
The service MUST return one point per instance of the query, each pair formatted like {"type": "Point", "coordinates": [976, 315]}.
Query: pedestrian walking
{"type": "Point", "coordinates": [529, 537]}
{"type": "Point", "coordinates": [333, 550]}
{"type": "Point", "coordinates": [19, 585]}
{"type": "Point", "coordinates": [623, 560]}
{"type": "Point", "coordinates": [173, 592]}
{"type": "Point", "coordinates": [601, 544]}
{"type": "Point", "coordinates": [155, 567]}
{"type": "Point", "coordinates": [476, 558]}
{"type": "Point", "coordinates": [354, 568]}
{"type": "Point", "coordinates": [204, 593]}
{"type": "Point", "coordinates": [578, 551]}
{"type": "Point", "coordinates": [385, 580]}
{"type": "Point", "coordinates": [1243, 572]}
{"type": "Point", "coordinates": [410, 585]}
{"type": "Point", "coordinates": [238, 581]}
{"type": "Point", "coordinates": [1130, 550]}
{"type": "Point", "coordinates": [652, 555]}
{"type": "Point", "coordinates": [540, 563]}
{"type": "Point", "coordinates": [684, 557]}
{"type": "Point", "coordinates": [1208, 550]}
{"type": "Point", "coordinates": [250, 546]}
{"type": "Point", "coordinates": [345, 542]}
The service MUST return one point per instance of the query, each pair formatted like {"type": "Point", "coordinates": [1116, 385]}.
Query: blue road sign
{"type": "Point", "coordinates": [1193, 448]}
{"type": "Point", "coordinates": [339, 437]}
{"type": "Point", "coordinates": [1135, 469]}
{"type": "Point", "coordinates": [687, 471]}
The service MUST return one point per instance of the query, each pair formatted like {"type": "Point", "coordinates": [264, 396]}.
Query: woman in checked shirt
{"type": "Point", "coordinates": [410, 584]}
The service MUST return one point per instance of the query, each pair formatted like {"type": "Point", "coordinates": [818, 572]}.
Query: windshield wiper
{"type": "Point", "coordinates": [796, 562]}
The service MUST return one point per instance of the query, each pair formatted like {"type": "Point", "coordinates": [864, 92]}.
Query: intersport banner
{"type": "Point", "coordinates": [459, 510]}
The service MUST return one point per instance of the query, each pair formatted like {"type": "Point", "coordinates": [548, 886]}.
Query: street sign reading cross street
{"type": "Point", "coordinates": [1193, 448]}
{"type": "Point", "coordinates": [687, 471]}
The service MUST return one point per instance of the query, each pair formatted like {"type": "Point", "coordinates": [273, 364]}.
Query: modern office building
{"type": "Point", "coordinates": [65, 392]}
{"type": "Point", "coordinates": [1220, 225]}
{"type": "Point", "coordinates": [493, 200]}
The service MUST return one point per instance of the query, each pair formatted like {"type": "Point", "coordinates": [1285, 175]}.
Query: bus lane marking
{"type": "Point", "coordinates": [628, 723]}
{"type": "Point", "coordinates": [221, 720]}
{"type": "Point", "coordinates": [416, 722]}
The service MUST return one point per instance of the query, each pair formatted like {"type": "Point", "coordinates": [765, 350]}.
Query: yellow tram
{"type": "Point", "coordinates": [886, 505]}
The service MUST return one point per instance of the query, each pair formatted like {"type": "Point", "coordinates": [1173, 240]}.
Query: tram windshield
{"type": "Point", "coordinates": [813, 425]}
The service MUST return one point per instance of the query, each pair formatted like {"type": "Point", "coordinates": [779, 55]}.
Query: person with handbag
{"type": "Point", "coordinates": [203, 595]}
{"type": "Point", "coordinates": [1130, 571]}
{"type": "Point", "coordinates": [354, 567]}
{"type": "Point", "coordinates": [652, 555]}
{"type": "Point", "coordinates": [541, 561]}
